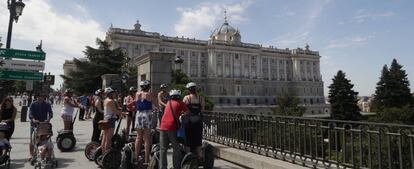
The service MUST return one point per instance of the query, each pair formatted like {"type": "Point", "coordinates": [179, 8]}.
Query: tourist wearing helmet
{"type": "Point", "coordinates": [145, 103]}
{"type": "Point", "coordinates": [168, 129]}
{"type": "Point", "coordinates": [111, 111]}
{"type": "Point", "coordinates": [163, 97]}
{"type": "Point", "coordinates": [68, 108]}
{"type": "Point", "coordinates": [193, 122]}
{"type": "Point", "coordinates": [96, 133]}
{"type": "Point", "coordinates": [130, 107]}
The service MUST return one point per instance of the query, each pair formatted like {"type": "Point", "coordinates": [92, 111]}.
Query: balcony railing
{"type": "Point", "coordinates": [315, 143]}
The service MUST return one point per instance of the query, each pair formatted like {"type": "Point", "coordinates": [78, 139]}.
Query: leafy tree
{"type": "Point", "coordinates": [86, 77]}
{"type": "Point", "coordinates": [343, 98]}
{"type": "Point", "coordinates": [393, 88]}
{"type": "Point", "coordinates": [393, 101]}
{"type": "Point", "coordinates": [19, 86]}
{"type": "Point", "coordinates": [288, 105]}
{"type": "Point", "coordinates": [180, 79]}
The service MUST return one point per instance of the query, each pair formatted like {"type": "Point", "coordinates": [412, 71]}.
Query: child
{"type": "Point", "coordinates": [4, 144]}
{"type": "Point", "coordinates": [45, 146]}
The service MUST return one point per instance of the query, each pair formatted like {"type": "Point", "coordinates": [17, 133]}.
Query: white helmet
{"type": "Point", "coordinates": [190, 85]}
{"type": "Point", "coordinates": [109, 90]}
{"type": "Point", "coordinates": [144, 83]}
{"type": "Point", "coordinates": [175, 92]}
{"type": "Point", "coordinates": [99, 91]}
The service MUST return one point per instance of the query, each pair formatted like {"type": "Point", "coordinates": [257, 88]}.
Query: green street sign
{"type": "Point", "coordinates": [20, 75]}
{"type": "Point", "coordinates": [22, 54]}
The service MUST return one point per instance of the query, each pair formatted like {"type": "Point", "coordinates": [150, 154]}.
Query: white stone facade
{"type": "Point", "coordinates": [232, 72]}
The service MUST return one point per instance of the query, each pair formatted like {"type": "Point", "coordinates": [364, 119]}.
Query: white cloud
{"type": "Point", "coordinates": [350, 41]}
{"type": "Point", "coordinates": [363, 15]}
{"type": "Point", "coordinates": [63, 35]}
{"type": "Point", "coordinates": [204, 18]}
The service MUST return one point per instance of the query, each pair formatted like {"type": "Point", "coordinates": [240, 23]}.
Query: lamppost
{"type": "Point", "coordinates": [179, 61]}
{"type": "Point", "coordinates": [16, 9]}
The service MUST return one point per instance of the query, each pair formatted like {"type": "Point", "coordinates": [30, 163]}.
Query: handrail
{"type": "Point", "coordinates": [315, 143]}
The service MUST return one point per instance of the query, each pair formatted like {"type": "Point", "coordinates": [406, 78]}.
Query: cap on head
{"type": "Point", "coordinates": [191, 85]}
{"type": "Point", "coordinates": [175, 93]}
{"type": "Point", "coordinates": [98, 92]}
{"type": "Point", "coordinates": [163, 86]}
{"type": "Point", "coordinates": [132, 89]}
{"type": "Point", "coordinates": [109, 90]}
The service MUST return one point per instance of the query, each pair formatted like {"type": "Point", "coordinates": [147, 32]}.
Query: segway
{"type": "Point", "coordinates": [112, 158]}
{"type": "Point", "coordinates": [128, 152]}
{"type": "Point", "coordinates": [65, 139]}
{"type": "Point", "coordinates": [191, 161]}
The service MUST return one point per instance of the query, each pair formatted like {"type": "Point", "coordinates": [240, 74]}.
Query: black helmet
{"type": "Point", "coordinates": [163, 86]}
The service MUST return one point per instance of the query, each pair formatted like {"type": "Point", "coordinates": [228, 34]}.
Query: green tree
{"type": "Point", "coordinates": [86, 77]}
{"type": "Point", "coordinates": [393, 101]}
{"type": "Point", "coordinates": [180, 79]}
{"type": "Point", "coordinates": [288, 105]}
{"type": "Point", "coordinates": [19, 86]}
{"type": "Point", "coordinates": [343, 98]}
{"type": "Point", "coordinates": [393, 88]}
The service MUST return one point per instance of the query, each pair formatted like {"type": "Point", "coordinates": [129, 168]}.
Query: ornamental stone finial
{"type": "Point", "coordinates": [137, 26]}
{"type": "Point", "coordinates": [306, 46]}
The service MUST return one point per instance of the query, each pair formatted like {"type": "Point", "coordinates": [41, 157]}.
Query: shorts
{"type": "Point", "coordinates": [66, 117]}
{"type": "Point", "coordinates": [143, 119]}
{"type": "Point", "coordinates": [112, 122]}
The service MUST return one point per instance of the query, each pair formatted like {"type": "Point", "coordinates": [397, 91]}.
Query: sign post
{"type": "Point", "coordinates": [22, 54]}
{"type": "Point", "coordinates": [20, 75]}
{"type": "Point", "coordinates": [22, 65]}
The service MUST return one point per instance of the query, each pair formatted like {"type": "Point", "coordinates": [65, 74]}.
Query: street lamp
{"type": "Point", "coordinates": [16, 10]}
{"type": "Point", "coordinates": [179, 61]}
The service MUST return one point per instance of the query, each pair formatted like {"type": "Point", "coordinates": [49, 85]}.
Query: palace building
{"type": "Point", "coordinates": [231, 72]}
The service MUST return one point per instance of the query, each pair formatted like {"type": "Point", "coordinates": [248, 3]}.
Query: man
{"type": "Point", "coordinates": [168, 129]}
{"type": "Point", "coordinates": [40, 111]}
{"type": "Point", "coordinates": [162, 100]}
{"type": "Point", "coordinates": [83, 100]}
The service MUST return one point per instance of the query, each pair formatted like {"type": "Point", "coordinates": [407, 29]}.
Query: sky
{"type": "Point", "coordinates": [358, 37]}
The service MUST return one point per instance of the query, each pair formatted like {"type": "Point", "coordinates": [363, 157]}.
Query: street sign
{"type": "Point", "coordinates": [20, 75]}
{"type": "Point", "coordinates": [29, 85]}
{"type": "Point", "coordinates": [21, 65]}
{"type": "Point", "coordinates": [22, 54]}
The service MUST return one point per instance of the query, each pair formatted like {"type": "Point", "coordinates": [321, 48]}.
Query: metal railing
{"type": "Point", "coordinates": [315, 143]}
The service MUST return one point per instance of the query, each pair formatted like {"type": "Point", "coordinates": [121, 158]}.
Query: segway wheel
{"type": "Point", "coordinates": [208, 161]}
{"type": "Point", "coordinates": [190, 164]}
{"type": "Point", "coordinates": [97, 155]}
{"type": "Point", "coordinates": [90, 150]}
{"type": "Point", "coordinates": [126, 162]}
{"type": "Point", "coordinates": [66, 144]}
{"type": "Point", "coordinates": [112, 159]}
{"type": "Point", "coordinates": [153, 164]}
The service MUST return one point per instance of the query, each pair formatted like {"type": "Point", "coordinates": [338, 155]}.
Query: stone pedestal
{"type": "Point", "coordinates": [111, 80]}
{"type": "Point", "coordinates": [155, 67]}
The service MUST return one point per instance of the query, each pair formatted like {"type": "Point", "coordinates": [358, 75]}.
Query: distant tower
{"type": "Point", "coordinates": [137, 26]}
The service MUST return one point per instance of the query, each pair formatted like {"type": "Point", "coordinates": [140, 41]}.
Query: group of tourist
{"type": "Point", "coordinates": [144, 110]}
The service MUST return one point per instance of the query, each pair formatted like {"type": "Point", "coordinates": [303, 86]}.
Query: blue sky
{"type": "Point", "coordinates": [356, 36]}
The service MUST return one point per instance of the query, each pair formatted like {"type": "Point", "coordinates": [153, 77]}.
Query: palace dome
{"type": "Point", "coordinates": [226, 33]}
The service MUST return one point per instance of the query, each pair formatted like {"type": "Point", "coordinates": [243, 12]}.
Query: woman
{"type": "Point", "coordinates": [193, 122]}
{"type": "Point", "coordinates": [110, 115]}
{"type": "Point", "coordinates": [145, 102]}
{"type": "Point", "coordinates": [7, 115]}
{"type": "Point", "coordinates": [130, 107]}
{"type": "Point", "coordinates": [67, 110]}
{"type": "Point", "coordinates": [96, 133]}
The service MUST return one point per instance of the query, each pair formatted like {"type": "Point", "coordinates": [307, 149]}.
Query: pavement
{"type": "Point", "coordinates": [71, 160]}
